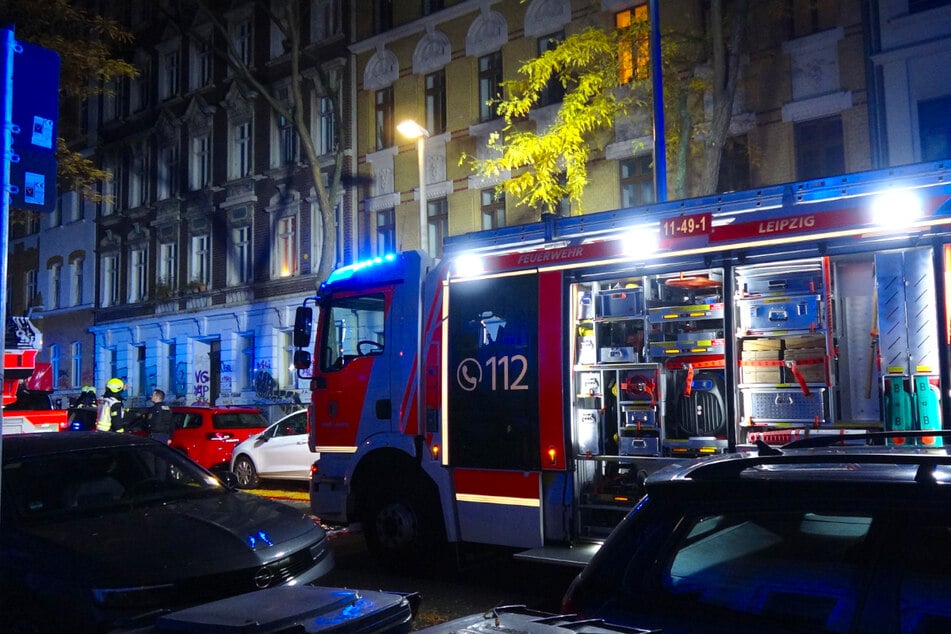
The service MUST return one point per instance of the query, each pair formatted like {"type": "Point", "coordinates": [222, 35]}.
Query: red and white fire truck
{"type": "Point", "coordinates": [27, 384]}
{"type": "Point", "coordinates": [518, 391]}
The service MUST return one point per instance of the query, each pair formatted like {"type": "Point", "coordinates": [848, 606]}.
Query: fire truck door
{"type": "Point", "coordinates": [493, 409]}
{"type": "Point", "coordinates": [349, 384]}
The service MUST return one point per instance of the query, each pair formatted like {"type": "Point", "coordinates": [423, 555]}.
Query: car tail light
{"type": "Point", "coordinates": [314, 469]}
{"type": "Point", "coordinates": [221, 436]}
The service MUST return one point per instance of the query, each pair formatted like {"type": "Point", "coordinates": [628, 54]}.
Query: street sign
{"type": "Point", "coordinates": [36, 115]}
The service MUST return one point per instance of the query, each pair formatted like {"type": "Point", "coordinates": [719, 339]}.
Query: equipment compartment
{"type": "Point", "coordinates": [779, 405]}
{"type": "Point", "coordinates": [763, 315]}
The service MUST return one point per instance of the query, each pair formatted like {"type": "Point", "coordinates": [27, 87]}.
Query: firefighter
{"type": "Point", "coordinates": [82, 413]}
{"type": "Point", "coordinates": [111, 413]}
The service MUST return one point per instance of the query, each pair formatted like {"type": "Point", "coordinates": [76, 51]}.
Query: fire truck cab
{"type": "Point", "coordinates": [518, 391]}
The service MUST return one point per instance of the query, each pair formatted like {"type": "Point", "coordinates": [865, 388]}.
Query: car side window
{"type": "Point", "coordinates": [192, 421]}
{"type": "Point", "coordinates": [925, 598]}
{"type": "Point", "coordinates": [786, 566]}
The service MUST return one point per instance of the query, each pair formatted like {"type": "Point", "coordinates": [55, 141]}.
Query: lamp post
{"type": "Point", "coordinates": [412, 130]}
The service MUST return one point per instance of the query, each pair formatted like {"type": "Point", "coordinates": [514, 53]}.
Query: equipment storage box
{"type": "Point", "coordinates": [784, 405]}
{"type": "Point", "coordinates": [768, 314]}
{"type": "Point", "coordinates": [810, 362]}
{"type": "Point", "coordinates": [782, 284]}
{"type": "Point", "coordinates": [622, 302]}
{"type": "Point", "coordinates": [639, 442]}
{"type": "Point", "coordinates": [618, 355]}
{"type": "Point", "coordinates": [589, 431]}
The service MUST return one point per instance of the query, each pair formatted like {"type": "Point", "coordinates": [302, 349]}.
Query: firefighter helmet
{"type": "Point", "coordinates": [115, 385]}
{"type": "Point", "coordinates": [88, 388]}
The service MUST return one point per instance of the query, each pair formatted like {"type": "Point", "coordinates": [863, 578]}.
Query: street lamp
{"type": "Point", "coordinates": [412, 130]}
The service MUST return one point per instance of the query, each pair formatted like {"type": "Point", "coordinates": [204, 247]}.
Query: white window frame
{"type": "Point", "coordinates": [327, 126]}
{"type": "Point", "coordinates": [200, 161]}
{"type": "Point", "coordinates": [286, 247]}
{"type": "Point", "coordinates": [169, 168]}
{"type": "Point", "coordinates": [168, 264]}
{"type": "Point", "coordinates": [239, 266]}
{"type": "Point", "coordinates": [75, 364]}
{"type": "Point", "coordinates": [110, 280]}
{"type": "Point", "coordinates": [138, 274]}
{"type": "Point", "coordinates": [242, 157]}
{"type": "Point", "coordinates": [56, 275]}
{"type": "Point", "coordinates": [76, 282]}
{"type": "Point", "coordinates": [199, 261]}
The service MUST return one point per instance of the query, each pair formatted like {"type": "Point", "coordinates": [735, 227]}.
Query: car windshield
{"type": "Point", "coordinates": [74, 482]}
{"type": "Point", "coordinates": [239, 420]}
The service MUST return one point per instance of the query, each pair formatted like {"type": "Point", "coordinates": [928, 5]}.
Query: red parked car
{"type": "Point", "coordinates": [208, 435]}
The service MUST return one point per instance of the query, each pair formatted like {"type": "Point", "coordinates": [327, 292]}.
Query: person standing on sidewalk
{"type": "Point", "coordinates": [110, 416]}
{"type": "Point", "coordinates": [160, 417]}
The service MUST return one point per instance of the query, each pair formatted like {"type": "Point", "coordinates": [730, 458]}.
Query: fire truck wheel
{"type": "Point", "coordinates": [401, 526]}
{"type": "Point", "coordinates": [246, 473]}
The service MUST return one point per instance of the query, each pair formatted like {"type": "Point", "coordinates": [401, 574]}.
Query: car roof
{"type": "Point", "coordinates": [824, 460]}
{"type": "Point", "coordinates": [23, 445]}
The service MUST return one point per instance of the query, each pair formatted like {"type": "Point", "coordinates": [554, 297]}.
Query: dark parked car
{"type": "Point", "coordinates": [209, 434]}
{"type": "Point", "coordinates": [839, 539]}
{"type": "Point", "coordinates": [518, 619]}
{"type": "Point", "coordinates": [100, 530]}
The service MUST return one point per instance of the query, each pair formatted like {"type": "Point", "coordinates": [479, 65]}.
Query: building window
{"type": "Point", "coordinates": [200, 162]}
{"type": "Point", "coordinates": [490, 82]}
{"type": "Point", "coordinates": [328, 127]}
{"type": "Point", "coordinates": [138, 275]}
{"type": "Point", "coordinates": [138, 178]}
{"type": "Point", "coordinates": [382, 16]}
{"type": "Point", "coordinates": [735, 165]}
{"type": "Point", "coordinates": [819, 148]}
{"type": "Point", "coordinates": [245, 361]}
{"type": "Point", "coordinates": [31, 223]}
{"type": "Point", "coordinates": [168, 265]}
{"type": "Point", "coordinates": [139, 87]}
{"type": "Point", "coordinates": [634, 45]}
{"type": "Point", "coordinates": [437, 212]}
{"type": "Point", "coordinates": [384, 117]}
{"type": "Point", "coordinates": [240, 270]}
{"type": "Point", "coordinates": [637, 181]}
{"type": "Point", "coordinates": [29, 287]}
{"type": "Point", "coordinates": [435, 88]}
{"type": "Point", "coordinates": [55, 299]}
{"type": "Point", "coordinates": [324, 19]}
{"type": "Point", "coordinates": [934, 127]}
{"type": "Point", "coordinates": [110, 280]}
{"type": "Point", "coordinates": [75, 364]}
{"type": "Point", "coordinates": [168, 74]}
{"type": "Point", "coordinates": [285, 247]}
{"type": "Point", "coordinates": [288, 147]}
{"type": "Point", "coordinates": [386, 231]}
{"type": "Point", "coordinates": [76, 282]}
{"type": "Point", "coordinates": [241, 39]}
{"type": "Point", "coordinates": [168, 170]}
{"type": "Point", "coordinates": [554, 92]}
{"type": "Point", "coordinates": [277, 34]}
{"type": "Point", "coordinates": [199, 272]}
{"type": "Point", "coordinates": [171, 367]}
{"type": "Point", "coordinates": [241, 149]}
{"type": "Point", "coordinates": [201, 60]}
{"type": "Point", "coordinates": [493, 209]}
{"type": "Point", "coordinates": [111, 98]}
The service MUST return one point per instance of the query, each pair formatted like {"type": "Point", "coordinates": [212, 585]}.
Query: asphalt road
{"type": "Point", "coordinates": [483, 579]}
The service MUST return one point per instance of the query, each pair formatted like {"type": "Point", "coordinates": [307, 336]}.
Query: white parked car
{"type": "Point", "coordinates": [279, 452]}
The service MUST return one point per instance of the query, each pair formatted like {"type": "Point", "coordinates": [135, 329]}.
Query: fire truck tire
{"type": "Point", "coordinates": [246, 473]}
{"type": "Point", "coordinates": [402, 527]}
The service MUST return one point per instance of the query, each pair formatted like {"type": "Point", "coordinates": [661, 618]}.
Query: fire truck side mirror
{"type": "Point", "coordinates": [303, 324]}
{"type": "Point", "coordinates": [301, 360]}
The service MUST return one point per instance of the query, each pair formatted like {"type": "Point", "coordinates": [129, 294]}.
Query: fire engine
{"type": "Point", "coordinates": [518, 390]}
{"type": "Point", "coordinates": [27, 384]}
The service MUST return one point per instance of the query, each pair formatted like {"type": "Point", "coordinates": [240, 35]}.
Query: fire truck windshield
{"type": "Point", "coordinates": [352, 327]}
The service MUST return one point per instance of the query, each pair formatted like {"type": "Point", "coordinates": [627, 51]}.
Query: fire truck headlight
{"type": "Point", "coordinates": [896, 209]}
{"type": "Point", "coordinates": [469, 266]}
{"type": "Point", "coordinates": [552, 455]}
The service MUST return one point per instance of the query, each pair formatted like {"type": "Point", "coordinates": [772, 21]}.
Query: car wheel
{"type": "Point", "coordinates": [403, 527]}
{"type": "Point", "coordinates": [246, 473]}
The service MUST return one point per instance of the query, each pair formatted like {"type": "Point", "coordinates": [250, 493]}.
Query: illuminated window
{"type": "Point", "coordinates": [634, 45]}
{"type": "Point", "coordinates": [285, 247]}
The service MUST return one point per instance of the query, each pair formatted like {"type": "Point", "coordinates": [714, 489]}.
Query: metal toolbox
{"type": "Point", "coordinates": [626, 302]}
{"type": "Point", "coordinates": [589, 431]}
{"type": "Point", "coordinates": [762, 315]}
{"type": "Point", "coordinates": [617, 355]}
{"type": "Point", "coordinates": [781, 284]}
{"type": "Point", "coordinates": [633, 442]}
{"type": "Point", "coordinates": [784, 405]}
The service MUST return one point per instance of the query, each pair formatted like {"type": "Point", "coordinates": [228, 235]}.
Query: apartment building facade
{"type": "Point", "coordinates": [191, 276]}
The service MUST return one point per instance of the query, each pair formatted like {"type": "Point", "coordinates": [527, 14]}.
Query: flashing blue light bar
{"type": "Point", "coordinates": [346, 272]}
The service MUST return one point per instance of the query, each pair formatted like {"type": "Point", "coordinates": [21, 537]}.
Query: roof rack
{"type": "Point", "coordinates": [870, 438]}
